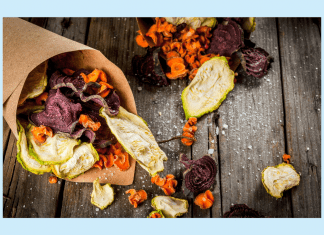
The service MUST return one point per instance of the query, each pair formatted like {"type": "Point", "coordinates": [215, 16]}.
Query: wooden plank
{"type": "Point", "coordinates": [300, 50]}
{"type": "Point", "coordinates": [254, 139]}
{"type": "Point", "coordinates": [216, 210]}
{"type": "Point", "coordinates": [207, 139]}
{"type": "Point", "coordinates": [6, 135]}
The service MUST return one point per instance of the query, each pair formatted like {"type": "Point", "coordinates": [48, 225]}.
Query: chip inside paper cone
{"type": "Point", "coordinates": [27, 46]}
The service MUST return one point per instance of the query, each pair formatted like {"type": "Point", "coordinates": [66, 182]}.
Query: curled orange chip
{"type": "Point", "coordinates": [110, 161]}
{"type": "Point", "coordinates": [122, 161]}
{"type": "Point", "coordinates": [41, 132]}
{"type": "Point", "coordinates": [167, 184]}
{"type": "Point", "coordinates": [156, 215]}
{"type": "Point", "coordinates": [286, 158]}
{"type": "Point", "coordinates": [86, 121]}
{"type": "Point", "coordinates": [204, 200]}
{"type": "Point", "coordinates": [94, 75]}
{"type": "Point", "coordinates": [136, 197]}
{"type": "Point", "coordinates": [52, 179]}
{"type": "Point", "coordinates": [158, 180]}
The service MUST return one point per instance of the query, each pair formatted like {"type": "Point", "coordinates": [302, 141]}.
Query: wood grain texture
{"type": "Point", "coordinates": [6, 135]}
{"type": "Point", "coordinates": [265, 117]}
{"type": "Point", "coordinates": [254, 138]}
{"type": "Point", "coordinates": [300, 50]}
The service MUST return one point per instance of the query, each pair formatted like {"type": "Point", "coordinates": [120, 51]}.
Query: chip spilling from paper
{"type": "Point", "coordinates": [81, 117]}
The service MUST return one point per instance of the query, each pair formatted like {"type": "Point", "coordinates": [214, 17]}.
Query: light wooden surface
{"type": "Point", "coordinates": [266, 118]}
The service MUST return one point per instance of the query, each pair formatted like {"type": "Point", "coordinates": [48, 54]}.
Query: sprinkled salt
{"type": "Point", "coordinates": [97, 209]}
{"type": "Point", "coordinates": [223, 132]}
{"type": "Point", "coordinates": [225, 126]}
{"type": "Point", "coordinates": [212, 141]}
{"type": "Point", "coordinates": [210, 151]}
{"type": "Point", "coordinates": [250, 147]}
{"type": "Point", "coordinates": [160, 113]}
{"type": "Point", "coordinates": [307, 149]}
{"type": "Point", "coordinates": [217, 130]}
{"type": "Point", "coordinates": [139, 88]}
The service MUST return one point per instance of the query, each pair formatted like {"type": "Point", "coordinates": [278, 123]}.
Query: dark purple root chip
{"type": "Point", "coordinates": [60, 113]}
{"type": "Point", "coordinates": [148, 68]}
{"type": "Point", "coordinates": [227, 38]}
{"type": "Point", "coordinates": [255, 61]}
{"type": "Point", "coordinates": [113, 103]}
{"type": "Point", "coordinates": [242, 211]}
{"type": "Point", "coordinates": [89, 135]}
{"type": "Point", "coordinates": [59, 78]}
{"type": "Point", "coordinates": [200, 174]}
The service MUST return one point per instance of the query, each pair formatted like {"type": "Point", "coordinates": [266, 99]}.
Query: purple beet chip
{"type": "Point", "coordinates": [255, 61]}
{"type": "Point", "coordinates": [89, 134]}
{"type": "Point", "coordinates": [227, 38]}
{"type": "Point", "coordinates": [242, 211]}
{"type": "Point", "coordinates": [200, 174]}
{"type": "Point", "coordinates": [60, 113]}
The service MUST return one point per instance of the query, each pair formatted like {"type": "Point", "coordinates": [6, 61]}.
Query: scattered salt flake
{"type": "Point", "coordinates": [223, 132]}
{"type": "Point", "coordinates": [160, 113]}
{"type": "Point", "coordinates": [250, 147]}
{"type": "Point", "coordinates": [217, 131]}
{"type": "Point", "coordinates": [212, 141]}
{"type": "Point", "coordinates": [24, 206]}
{"type": "Point", "coordinates": [97, 209]}
{"type": "Point", "coordinates": [307, 149]}
{"type": "Point", "coordinates": [210, 151]}
{"type": "Point", "coordinates": [159, 133]}
{"type": "Point", "coordinates": [139, 88]}
{"type": "Point", "coordinates": [59, 182]}
{"type": "Point", "coordinates": [225, 126]}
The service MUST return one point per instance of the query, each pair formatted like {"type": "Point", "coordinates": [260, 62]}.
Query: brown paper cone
{"type": "Point", "coordinates": [25, 46]}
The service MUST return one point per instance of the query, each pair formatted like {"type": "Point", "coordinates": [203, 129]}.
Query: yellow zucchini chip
{"type": "Point", "coordinates": [102, 196]}
{"type": "Point", "coordinates": [279, 178]}
{"type": "Point", "coordinates": [209, 88]}
{"type": "Point", "coordinates": [136, 138]}
{"type": "Point", "coordinates": [55, 150]}
{"type": "Point", "coordinates": [84, 156]}
{"type": "Point", "coordinates": [171, 207]}
{"type": "Point", "coordinates": [27, 161]}
{"type": "Point", "coordinates": [35, 83]}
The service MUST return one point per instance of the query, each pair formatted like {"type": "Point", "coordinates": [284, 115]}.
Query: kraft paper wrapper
{"type": "Point", "coordinates": [25, 46]}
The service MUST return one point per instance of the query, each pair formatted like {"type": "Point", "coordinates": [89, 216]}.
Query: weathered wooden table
{"type": "Point", "coordinates": [266, 118]}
